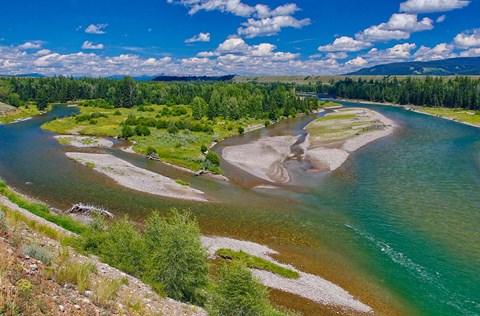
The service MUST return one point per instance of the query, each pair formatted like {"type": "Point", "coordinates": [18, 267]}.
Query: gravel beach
{"type": "Point", "coordinates": [308, 286]}
{"type": "Point", "coordinates": [135, 178]}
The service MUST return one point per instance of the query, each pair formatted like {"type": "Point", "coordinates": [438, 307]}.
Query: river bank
{"type": "Point", "coordinates": [329, 142]}
{"type": "Point", "coordinates": [461, 116]}
{"type": "Point", "coordinates": [136, 178]}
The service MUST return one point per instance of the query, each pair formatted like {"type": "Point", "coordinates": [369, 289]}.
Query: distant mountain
{"type": "Point", "coordinates": [136, 78]}
{"type": "Point", "coordinates": [194, 78]}
{"type": "Point", "coordinates": [32, 75]}
{"type": "Point", "coordinates": [447, 67]}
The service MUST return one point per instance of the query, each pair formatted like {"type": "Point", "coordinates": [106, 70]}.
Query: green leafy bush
{"type": "Point", "coordinates": [238, 293]}
{"type": "Point", "coordinates": [176, 257]}
{"type": "Point", "coordinates": [142, 130]}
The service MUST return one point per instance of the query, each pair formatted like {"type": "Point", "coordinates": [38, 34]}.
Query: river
{"type": "Point", "coordinates": [397, 225]}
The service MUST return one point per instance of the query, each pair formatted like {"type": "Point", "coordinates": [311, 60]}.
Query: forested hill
{"type": "Point", "coordinates": [448, 67]}
{"type": "Point", "coordinates": [194, 78]}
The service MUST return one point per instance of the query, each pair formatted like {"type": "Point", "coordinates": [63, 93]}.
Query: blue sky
{"type": "Point", "coordinates": [210, 37]}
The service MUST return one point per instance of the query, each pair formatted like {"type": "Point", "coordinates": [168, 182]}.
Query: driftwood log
{"type": "Point", "coordinates": [85, 209]}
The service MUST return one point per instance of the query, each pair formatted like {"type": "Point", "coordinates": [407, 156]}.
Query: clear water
{"type": "Point", "coordinates": [404, 210]}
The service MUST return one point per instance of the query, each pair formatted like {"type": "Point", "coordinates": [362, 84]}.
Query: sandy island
{"type": "Point", "coordinates": [263, 158]}
{"type": "Point", "coordinates": [308, 286]}
{"type": "Point", "coordinates": [332, 138]}
{"type": "Point", "coordinates": [135, 178]}
{"type": "Point", "coordinates": [84, 141]}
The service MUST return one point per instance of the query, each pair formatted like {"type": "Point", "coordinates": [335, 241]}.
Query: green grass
{"type": "Point", "coordinates": [42, 210]}
{"type": "Point", "coordinates": [182, 149]}
{"type": "Point", "coordinates": [462, 115]}
{"type": "Point", "coordinates": [181, 182]}
{"type": "Point", "coordinates": [257, 263]}
{"type": "Point", "coordinates": [336, 117]}
{"type": "Point", "coordinates": [25, 112]}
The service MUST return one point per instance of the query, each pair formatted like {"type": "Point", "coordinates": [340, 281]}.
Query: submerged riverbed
{"type": "Point", "coordinates": [397, 225]}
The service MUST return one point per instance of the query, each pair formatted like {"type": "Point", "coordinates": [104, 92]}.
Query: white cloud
{"type": "Point", "coordinates": [338, 55]}
{"type": "Point", "coordinates": [90, 45]}
{"type": "Point", "coordinates": [96, 29]}
{"type": "Point", "coordinates": [468, 39]}
{"type": "Point", "coordinates": [29, 45]}
{"type": "Point", "coordinates": [42, 52]}
{"type": "Point", "coordinates": [270, 26]}
{"type": "Point", "coordinates": [399, 52]}
{"type": "Point", "coordinates": [441, 51]}
{"type": "Point", "coordinates": [356, 62]}
{"type": "Point", "coordinates": [345, 44]}
{"type": "Point", "coordinates": [441, 18]}
{"type": "Point", "coordinates": [472, 52]}
{"type": "Point", "coordinates": [428, 6]}
{"type": "Point", "coordinates": [201, 37]}
{"type": "Point", "coordinates": [235, 7]}
{"type": "Point", "coordinates": [408, 23]}
{"type": "Point", "coordinates": [378, 33]}
{"type": "Point", "coordinates": [263, 11]}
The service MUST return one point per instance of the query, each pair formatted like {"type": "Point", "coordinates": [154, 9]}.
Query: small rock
{"type": "Point", "coordinates": [86, 301]}
{"type": "Point", "coordinates": [61, 308]}
{"type": "Point", "coordinates": [88, 293]}
{"type": "Point", "coordinates": [77, 306]}
{"type": "Point", "coordinates": [33, 267]}
{"type": "Point", "coordinates": [27, 257]}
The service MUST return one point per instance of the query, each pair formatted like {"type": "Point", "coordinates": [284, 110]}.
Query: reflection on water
{"type": "Point", "coordinates": [399, 221]}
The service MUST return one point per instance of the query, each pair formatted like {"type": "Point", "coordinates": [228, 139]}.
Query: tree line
{"type": "Point", "coordinates": [211, 99]}
{"type": "Point", "coordinates": [459, 92]}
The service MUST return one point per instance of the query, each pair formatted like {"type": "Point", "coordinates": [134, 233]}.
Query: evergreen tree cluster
{"type": "Point", "coordinates": [458, 92]}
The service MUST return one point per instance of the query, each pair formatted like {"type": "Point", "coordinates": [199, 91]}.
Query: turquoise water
{"type": "Point", "coordinates": [404, 209]}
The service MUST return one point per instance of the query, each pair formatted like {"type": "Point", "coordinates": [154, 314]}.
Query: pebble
{"type": "Point", "coordinates": [88, 293]}
{"type": "Point", "coordinates": [77, 306]}
{"type": "Point", "coordinates": [33, 267]}
{"type": "Point", "coordinates": [61, 308]}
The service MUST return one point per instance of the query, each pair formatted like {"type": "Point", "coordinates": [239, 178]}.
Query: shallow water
{"type": "Point", "coordinates": [397, 225]}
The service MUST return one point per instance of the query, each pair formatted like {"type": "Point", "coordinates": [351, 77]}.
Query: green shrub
{"type": "Point", "coordinates": [267, 123]}
{"type": "Point", "coordinates": [162, 124]}
{"type": "Point", "coordinates": [38, 253]}
{"type": "Point", "coordinates": [173, 130]}
{"type": "Point", "coordinates": [257, 263]}
{"type": "Point", "coordinates": [238, 293]}
{"type": "Point", "coordinates": [127, 132]}
{"type": "Point", "coordinates": [142, 130]}
{"type": "Point", "coordinates": [117, 113]}
{"type": "Point", "coordinates": [151, 150]}
{"type": "Point", "coordinates": [203, 149]}
{"type": "Point", "coordinates": [123, 247]}
{"type": "Point", "coordinates": [213, 158]}
{"type": "Point", "coordinates": [176, 257]}
{"type": "Point", "coordinates": [241, 130]}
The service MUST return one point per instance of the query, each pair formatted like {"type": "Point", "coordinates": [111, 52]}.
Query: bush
{"type": "Point", "coordinates": [176, 257]}
{"type": "Point", "coordinates": [241, 130]}
{"type": "Point", "coordinates": [151, 150]}
{"type": "Point", "coordinates": [117, 113]}
{"type": "Point", "coordinates": [267, 123]}
{"type": "Point", "coordinates": [203, 149]}
{"type": "Point", "coordinates": [123, 247]}
{"type": "Point", "coordinates": [238, 293]}
{"type": "Point", "coordinates": [142, 130]}
{"type": "Point", "coordinates": [131, 120]}
{"type": "Point", "coordinates": [38, 253]}
{"type": "Point", "coordinates": [127, 132]}
{"type": "Point", "coordinates": [173, 130]}
{"type": "Point", "coordinates": [213, 158]}
{"type": "Point", "coordinates": [162, 124]}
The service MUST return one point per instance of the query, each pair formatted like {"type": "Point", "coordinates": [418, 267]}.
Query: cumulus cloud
{"type": "Point", "coordinates": [379, 33]}
{"type": "Point", "coordinates": [429, 6]}
{"type": "Point", "coordinates": [345, 44]}
{"type": "Point", "coordinates": [262, 20]}
{"type": "Point", "coordinates": [468, 39]}
{"type": "Point", "coordinates": [201, 37]}
{"type": "Point", "coordinates": [42, 52]}
{"type": "Point", "coordinates": [472, 52]}
{"type": "Point", "coordinates": [399, 52]}
{"type": "Point", "coordinates": [441, 51]}
{"type": "Point", "coordinates": [270, 26]}
{"type": "Point", "coordinates": [356, 62]}
{"type": "Point", "coordinates": [29, 45]}
{"type": "Point", "coordinates": [90, 45]}
{"type": "Point", "coordinates": [408, 23]}
{"type": "Point", "coordinates": [96, 29]}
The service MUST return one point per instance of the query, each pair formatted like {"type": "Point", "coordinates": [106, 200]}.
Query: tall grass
{"type": "Point", "coordinates": [41, 210]}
